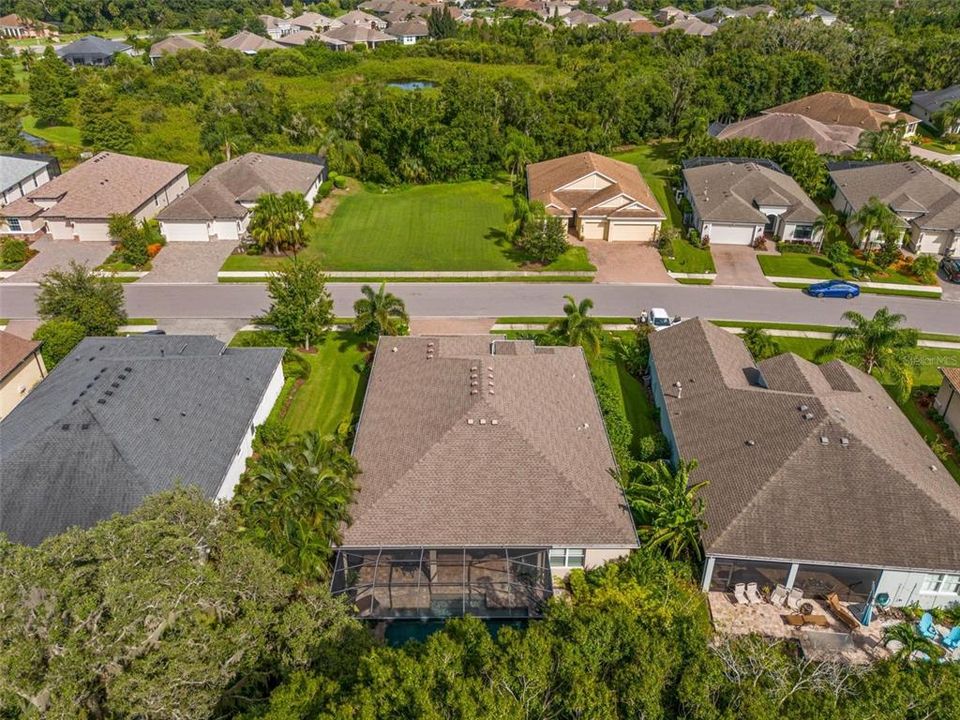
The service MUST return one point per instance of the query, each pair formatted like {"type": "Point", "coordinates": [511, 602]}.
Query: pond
{"type": "Point", "coordinates": [412, 84]}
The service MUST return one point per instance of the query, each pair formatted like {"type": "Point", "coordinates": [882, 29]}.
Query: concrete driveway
{"type": "Point", "coordinates": [737, 265]}
{"type": "Point", "coordinates": [628, 262]}
{"type": "Point", "coordinates": [189, 262]}
{"type": "Point", "coordinates": [58, 254]}
{"type": "Point", "coordinates": [951, 291]}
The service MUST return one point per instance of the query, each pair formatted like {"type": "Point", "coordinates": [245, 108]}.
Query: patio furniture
{"type": "Point", "coordinates": [952, 640]}
{"type": "Point", "coordinates": [753, 595]}
{"type": "Point", "coordinates": [926, 628]}
{"type": "Point", "coordinates": [818, 620]}
{"type": "Point", "coordinates": [740, 594]}
{"type": "Point", "coordinates": [794, 619]}
{"type": "Point", "coordinates": [793, 599]}
{"type": "Point", "coordinates": [779, 596]}
{"type": "Point", "coordinates": [842, 613]}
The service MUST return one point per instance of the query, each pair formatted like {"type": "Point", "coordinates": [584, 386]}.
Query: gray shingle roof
{"type": "Point", "coordinates": [934, 100]}
{"type": "Point", "coordinates": [14, 169]}
{"type": "Point", "coordinates": [873, 500]}
{"type": "Point", "coordinates": [461, 447]}
{"type": "Point", "coordinates": [121, 418]}
{"type": "Point", "coordinates": [92, 46]}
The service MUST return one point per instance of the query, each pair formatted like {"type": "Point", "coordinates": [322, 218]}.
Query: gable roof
{"type": "Point", "coordinates": [108, 183]}
{"type": "Point", "coordinates": [13, 351]}
{"type": "Point", "coordinates": [625, 15]}
{"type": "Point", "coordinates": [907, 187]}
{"type": "Point", "coordinates": [642, 26]}
{"type": "Point", "coordinates": [871, 494]}
{"type": "Point", "coordinates": [733, 190]}
{"type": "Point", "coordinates": [314, 20]}
{"type": "Point", "coordinates": [691, 25]}
{"type": "Point", "coordinates": [579, 17]}
{"type": "Point", "coordinates": [833, 108]}
{"type": "Point", "coordinates": [546, 182]}
{"type": "Point", "coordinates": [13, 169]}
{"type": "Point", "coordinates": [358, 17]}
{"type": "Point", "coordinates": [247, 42]}
{"type": "Point", "coordinates": [174, 44]}
{"type": "Point", "coordinates": [121, 418]}
{"type": "Point", "coordinates": [476, 441]}
{"type": "Point", "coordinates": [223, 191]}
{"type": "Point", "coordinates": [786, 127]}
{"type": "Point", "coordinates": [933, 100]}
{"type": "Point", "coordinates": [359, 34]}
{"type": "Point", "coordinates": [409, 28]}
{"type": "Point", "coordinates": [92, 46]}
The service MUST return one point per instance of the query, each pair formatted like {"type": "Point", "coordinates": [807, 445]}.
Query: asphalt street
{"type": "Point", "coordinates": [242, 300]}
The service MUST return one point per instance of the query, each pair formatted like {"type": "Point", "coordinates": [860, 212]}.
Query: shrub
{"type": "Point", "coordinates": [798, 247]}
{"type": "Point", "coordinates": [153, 249]}
{"type": "Point", "coordinates": [273, 432]}
{"type": "Point", "coordinates": [326, 187]}
{"type": "Point", "coordinates": [13, 251]}
{"type": "Point", "coordinates": [544, 239]}
{"type": "Point", "coordinates": [340, 182]}
{"type": "Point", "coordinates": [618, 427]}
{"type": "Point", "coordinates": [653, 447]}
{"type": "Point", "coordinates": [59, 337]}
{"type": "Point", "coordinates": [925, 268]}
{"type": "Point", "coordinates": [841, 270]}
{"type": "Point", "coordinates": [693, 237]}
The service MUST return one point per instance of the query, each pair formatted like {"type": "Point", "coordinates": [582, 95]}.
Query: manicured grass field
{"type": "Point", "coordinates": [333, 392]}
{"type": "Point", "coordinates": [689, 259]}
{"type": "Point", "coordinates": [57, 134]}
{"type": "Point", "coordinates": [818, 267]}
{"type": "Point", "coordinates": [457, 226]}
{"type": "Point", "coordinates": [637, 404]}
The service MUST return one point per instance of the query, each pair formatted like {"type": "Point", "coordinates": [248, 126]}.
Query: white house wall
{"type": "Point", "coordinates": [906, 588]}
{"type": "Point", "coordinates": [20, 189]}
{"type": "Point", "coordinates": [593, 181]}
{"type": "Point", "coordinates": [934, 242]}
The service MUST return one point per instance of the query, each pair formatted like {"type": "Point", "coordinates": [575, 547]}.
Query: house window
{"type": "Point", "coordinates": [943, 584]}
{"type": "Point", "coordinates": [567, 557]}
{"type": "Point", "coordinates": [803, 232]}
{"type": "Point", "coordinates": [14, 224]}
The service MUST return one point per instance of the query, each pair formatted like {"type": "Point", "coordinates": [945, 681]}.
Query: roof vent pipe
{"type": "Point", "coordinates": [679, 386]}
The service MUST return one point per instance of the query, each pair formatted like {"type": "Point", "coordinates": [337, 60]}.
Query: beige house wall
{"type": "Point", "coordinates": [592, 229]}
{"type": "Point", "coordinates": [947, 403]}
{"type": "Point", "coordinates": [20, 382]}
{"type": "Point", "coordinates": [590, 182]}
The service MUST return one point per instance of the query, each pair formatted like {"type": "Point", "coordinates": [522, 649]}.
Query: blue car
{"type": "Point", "coordinates": [834, 288]}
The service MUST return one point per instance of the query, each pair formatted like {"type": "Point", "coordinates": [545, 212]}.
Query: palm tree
{"type": "Point", "coordinates": [519, 151]}
{"type": "Point", "coordinates": [294, 500]}
{"type": "Point", "coordinates": [576, 327]}
{"type": "Point", "coordinates": [276, 224]}
{"type": "Point", "coordinates": [885, 144]}
{"type": "Point", "coordinates": [379, 313]}
{"type": "Point", "coordinates": [760, 344]}
{"type": "Point", "coordinates": [875, 216]}
{"type": "Point", "coordinates": [830, 227]}
{"type": "Point", "coordinates": [877, 343]}
{"type": "Point", "coordinates": [911, 641]}
{"type": "Point", "coordinates": [667, 507]}
{"type": "Point", "coordinates": [948, 115]}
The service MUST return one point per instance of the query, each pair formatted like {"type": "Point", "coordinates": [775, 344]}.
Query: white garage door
{"type": "Point", "coordinates": [731, 235]}
{"type": "Point", "coordinates": [633, 232]}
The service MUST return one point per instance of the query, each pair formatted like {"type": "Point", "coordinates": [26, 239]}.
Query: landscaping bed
{"type": "Point", "coordinates": [818, 267]}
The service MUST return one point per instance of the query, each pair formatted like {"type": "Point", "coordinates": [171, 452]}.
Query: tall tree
{"type": "Point", "coordinates": [301, 307]}
{"type": "Point", "coordinates": [10, 138]}
{"type": "Point", "coordinates": [948, 115]}
{"type": "Point", "coordinates": [518, 151]}
{"type": "Point", "coordinates": [885, 145]}
{"type": "Point", "coordinates": [79, 294]}
{"type": "Point", "coordinates": [102, 126]}
{"type": "Point", "coordinates": [910, 641]}
{"type": "Point", "coordinates": [440, 24]}
{"type": "Point", "coordinates": [47, 91]}
{"type": "Point", "coordinates": [578, 327]}
{"type": "Point", "coordinates": [760, 344]}
{"type": "Point", "coordinates": [379, 313]}
{"type": "Point", "coordinates": [877, 344]}
{"type": "Point", "coordinates": [276, 224]}
{"type": "Point", "coordinates": [876, 217]}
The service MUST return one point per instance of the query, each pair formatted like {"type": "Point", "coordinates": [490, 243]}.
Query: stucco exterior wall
{"type": "Point", "coordinates": [592, 230]}
{"type": "Point", "coordinates": [947, 403]}
{"type": "Point", "coordinates": [32, 182]}
{"type": "Point", "coordinates": [590, 182]}
{"type": "Point", "coordinates": [934, 242]}
{"type": "Point", "coordinates": [906, 588]}
{"type": "Point", "coordinates": [20, 382]}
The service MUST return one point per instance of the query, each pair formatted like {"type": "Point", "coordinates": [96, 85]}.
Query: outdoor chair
{"type": "Point", "coordinates": [779, 596]}
{"type": "Point", "coordinates": [818, 620]}
{"type": "Point", "coordinates": [753, 595]}
{"type": "Point", "coordinates": [952, 640]}
{"type": "Point", "coordinates": [793, 599]}
{"type": "Point", "coordinates": [926, 627]}
{"type": "Point", "coordinates": [842, 613]}
{"type": "Point", "coordinates": [740, 594]}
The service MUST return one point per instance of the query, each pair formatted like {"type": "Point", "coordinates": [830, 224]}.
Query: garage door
{"type": "Point", "coordinates": [630, 232]}
{"type": "Point", "coordinates": [731, 235]}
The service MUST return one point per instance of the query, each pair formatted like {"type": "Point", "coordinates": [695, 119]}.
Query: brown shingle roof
{"type": "Point", "coordinates": [952, 376]}
{"type": "Point", "coordinates": [13, 351]}
{"type": "Point", "coordinates": [359, 34]}
{"type": "Point", "coordinates": [484, 443]}
{"type": "Point", "coordinates": [832, 108]}
{"type": "Point", "coordinates": [247, 42]}
{"type": "Point", "coordinates": [872, 500]}
{"type": "Point", "coordinates": [786, 127]}
{"type": "Point", "coordinates": [174, 44]}
{"type": "Point", "coordinates": [546, 180]}
{"type": "Point", "coordinates": [106, 184]}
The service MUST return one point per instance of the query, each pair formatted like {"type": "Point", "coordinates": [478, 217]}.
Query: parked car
{"type": "Point", "coordinates": [658, 318]}
{"type": "Point", "coordinates": [950, 267]}
{"type": "Point", "coordinates": [834, 288]}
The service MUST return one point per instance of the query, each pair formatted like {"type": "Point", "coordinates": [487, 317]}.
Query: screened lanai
{"type": "Point", "coordinates": [438, 583]}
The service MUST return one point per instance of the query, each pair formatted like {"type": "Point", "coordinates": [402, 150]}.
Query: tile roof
{"type": "Point", "coordinates": [786, 127]}
{"type": "Point", "coordinates": [108, 183]}
{"type": "Point", "coordinates": [729, 191]}
{"type": "Point", "coordinates": [174, 44]}
{"type": "Point", "coordinates": [92, 45]}
{"type": "Point", "coordinates": [246, 42]}
{"type": "Point", "coordinates": [804, 463]}
{"type": "Point", "coordinates": [832, 108]}
{"type": "Point", "coordinates": [477, 441]}
{"type": "Point", "coordinates": [13, 169]}
{"type": "Point", "coordinates": [934, 100]}
{"type": "Point", "coordinates": [13, 351]}
{"type": "Point", "coordinates": [121, 418]}
{"type": "Point", "coordinates": [223, 191]}
{"type": "Point", "coordinates": [546, 180]}
{"type": "Point", "coordinates": [907, 187]}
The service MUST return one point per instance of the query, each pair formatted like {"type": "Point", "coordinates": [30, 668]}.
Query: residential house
{"type": "Point", "coordinates": [78, 204]}
{"type": "Point", "coordinates": [756, 11]}
{"type": "Point", "coordinates": [92, 50]}
{"type": "Point", "coordinates": [276, 27]}
{"type": "Point", "coordinates": [926, 201]}
{"type": "Point", "coordinates": [692, 26]}
{"type": "Point", "coordinates": [382, 7]}
{"type": "Point", "coordinates": [360, 35]}
{"type": "Point", "coordinates": [643, 27]}
{"type": "Point", "coordinates": [624, 16]}
{"type": "Point", "coordinates": [670, 14]}
{"type": "Point", "coordinates": [358, 17]}
{"type": "Point", "coordinates": [833, 108]}
{"type": "Point", "coordinates": [778, 127]}
{"type": "Point", "coordinates": [947, 402]}
{"type": "Point", "coordinates": [172, 45]}
{"type": "Point", "coordinates": [218, 205]}
{"type": "Point", "coordinates": [409, 32]}
{"type": "Point", "coordinates": [121, 418]}
{"type": "Point", "coordinates": [600, 198]}
{"type": "Point", "coordinates": [716, 15]}
{"type": "Point", "coordinates": [817, 480]}
{"type": "Point", "coordinates": [486, 470]}
{"type": "Point", "coordinates": [927, 103]}
{"type": "Point", "coordinates": [314, 22]}
{"type": "Point", "coordinates": [579, 18]}
{"type": "Point", "coordinates": [737, 201]}
{"type": "Point", "coordinates": [298, 38]}
{"type": "Point", "coordinates": [16, 27]}
{"type": "Point", "coordinates": [816, 13]}
{"type": "Point", "coordinates": [21, 368]}
{"type": "Point", "coordinates": [248, 43]}
{"type": "Point", "coordinates": [19, 174]}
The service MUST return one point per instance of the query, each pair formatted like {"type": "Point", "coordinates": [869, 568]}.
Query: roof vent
{"type": "Point", "coordinates": [85, 426]}
{"type": "Point", "coordinates": [394, 348]}
{"type": "Point", "coordinates": [845, 442]}
{"type": "Point", "coordinates": [808, 416]}
{"type": "Point", "coordinates": [101, 401]}
{"type": "Point", "coordinates": [933, 468]}
{"type": "Point", "coordinates": [494, 422]}
{"type": "Point", "coordinates": [474, 391]}
{"type": "Point", "coordinates": [128, 369]}
{"type": "Point", "coordinates": [469, 421]}
{"type": "Point", "coordinates": [824, 440]}
{"type": "Point", "coordinates": [483, 421]}
{"type": "Point", "coordinates": [803, 408]}
{"type": "Point", "coordinates": [65, 426]}
{"type": "Point", "coordinates": [751, 443]}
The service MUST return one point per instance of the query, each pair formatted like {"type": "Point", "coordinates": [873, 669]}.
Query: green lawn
{"type": "Point", "coordinates": [936, 144]}
{"type": "Point", "coordinates": [331, 394]}
{"type": "Point", "coordinates": [686, 258]}
{"type": "Point", "coordinates": [637, 404]}
{"type": "Point", "coordinates": [457, 226]}
{"type": "Point", "coordinates": [818, 267]}
{"type": "Point", "coordinates": [57, 134]}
